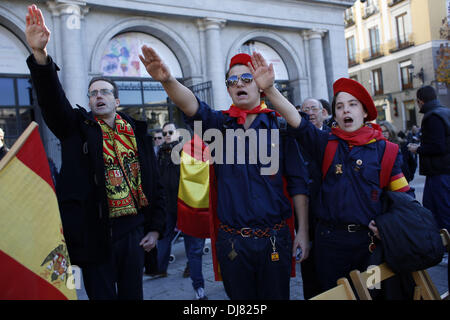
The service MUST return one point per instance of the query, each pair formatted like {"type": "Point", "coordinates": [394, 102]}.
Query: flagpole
{"type": "Point", "coordinates": [18, 144]}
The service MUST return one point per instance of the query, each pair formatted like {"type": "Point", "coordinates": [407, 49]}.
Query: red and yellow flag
{"type": "Point", "coordinates": [193, 192]}
{"type": "Point", "coordinates": [34, 262]}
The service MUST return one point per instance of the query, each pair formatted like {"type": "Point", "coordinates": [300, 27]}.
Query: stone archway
{"type": "Point", "coordinates": [166, 35]}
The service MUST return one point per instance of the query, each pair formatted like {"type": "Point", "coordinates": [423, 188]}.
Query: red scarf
{"type": "Point", "coordinates": [241, 114]}
{"type": "Point", "coordinates": [364, 135]}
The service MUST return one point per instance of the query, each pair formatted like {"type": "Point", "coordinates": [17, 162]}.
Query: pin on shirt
{"type": "Point", "coordinates": [358, 165]}
{"type": "Point", "coordinates": [338, 169]}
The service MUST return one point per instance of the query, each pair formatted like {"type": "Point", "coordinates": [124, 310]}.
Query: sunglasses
{"type": "Point", "coordinates": [157, 138]}
{"type": "Point", "coordinates": [104, 92]}
{"type": "Point", "coordinates": [170, 132]}
{"type": "Point", "coordinates": [233, 80]}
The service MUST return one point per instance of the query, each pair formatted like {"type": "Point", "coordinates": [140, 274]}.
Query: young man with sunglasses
{"type": "Point", "coordinates": [158, 140]}
{"type": "Point", "coordinates": [108, 192]}
{"type": "Point", "coordinates": [253, 245]}
{"type": "Point", "coordinates": [170, 177]}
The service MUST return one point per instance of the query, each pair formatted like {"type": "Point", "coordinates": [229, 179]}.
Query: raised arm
{"type": "Point", "coordinates": [264, 76]}
{"type": "Point", "coordinates": [37, 34]}
{"type": "Point", "coordinates": [178, 93]}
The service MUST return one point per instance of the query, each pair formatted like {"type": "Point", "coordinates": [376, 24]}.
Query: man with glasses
{"type": "Point", "coordinates": [316, 113]}
{"type": "Point", "coordinates": [108, 192]}
{"type": "Point", "coordinates": [253, 245]}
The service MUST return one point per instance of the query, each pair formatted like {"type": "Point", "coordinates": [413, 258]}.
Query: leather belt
{"type": "Point", "coordinates": [248, 232]}
{"type": "Point", "coordinates": [351, 227]}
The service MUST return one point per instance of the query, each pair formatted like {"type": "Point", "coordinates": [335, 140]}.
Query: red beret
{"type": "Point", "coordinates": [240, 58]}
{"type": "Point", "coordinates": [359, 92]}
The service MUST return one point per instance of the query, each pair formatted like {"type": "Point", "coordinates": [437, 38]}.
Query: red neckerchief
{"type": "Point", "coordinates": [364, 135]}
{"type": "Point", "coordinates": [241, 114]}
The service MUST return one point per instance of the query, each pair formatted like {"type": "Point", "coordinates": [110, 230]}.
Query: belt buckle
{"type": "Point", "coordinates": [249, 230]}
{"type": "Point", "coordinates": [352, 228]}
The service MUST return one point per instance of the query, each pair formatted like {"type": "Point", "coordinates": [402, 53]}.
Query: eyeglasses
{"type": "Point", "coordinates": [104, 92]}
{"type": "Point", "coordinates": [170, 132]}
{"type": "Point", "coordinates": [157, 138]}
{"type": "Point", "coordinates": [233, 80]}
{"type": "Point", "coordinates": [313, 109]}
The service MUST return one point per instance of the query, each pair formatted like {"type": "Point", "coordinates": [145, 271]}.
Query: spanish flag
{"type": "Point", "coordinates": [193, 192]}
{"type": "Point", "coordinates": [34, 262]}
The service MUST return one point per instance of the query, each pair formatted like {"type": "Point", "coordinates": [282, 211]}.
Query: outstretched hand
{"type": "Point", "coordinates": [36, 31]}
{"type": "Point", "coordinates": [263, 74]}
{"type": "Point", "coordinates": [154, 65]}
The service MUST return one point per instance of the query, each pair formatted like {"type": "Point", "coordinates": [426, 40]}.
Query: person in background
{"type": "Point", "coordinates": [409, 165]}
{"type": "Point", "coordinates": [316, 113]}
{"type": "Point", "coordinates": [158, 140]}
{"type": "Point", "coordinates": [3, 148]}
{"type": "Point", "coordinates": [434, 155]}
{"type": "Point", "coordinates": [328, 121]}
{"type": "Point", "coordinates": [312, 110]}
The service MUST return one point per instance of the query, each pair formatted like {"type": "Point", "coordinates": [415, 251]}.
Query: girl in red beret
{"type": "Point", "coordinates": [350, 157]}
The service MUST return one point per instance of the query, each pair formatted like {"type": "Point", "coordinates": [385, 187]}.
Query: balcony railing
{"type": "Point", "coordinates": [394, 2]}
{"type": "Point", "coordinates": [369, 11]}
{"type": "Point", "coordinates": [349, 22]}
{"type": "Point", "coordinates": [353, 60]}
{"type": "Point", "coordinates": [372, 53]}
{"type": "Point", "coordinates": [397, 44]}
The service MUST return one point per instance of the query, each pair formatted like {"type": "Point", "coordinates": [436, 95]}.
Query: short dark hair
{"type": "Point", "coordinates": [325, 105]}
{"type": "Point", "coordinates": [115, 89]}
{"type": "Point", "coordinates": [426, 94]}
{"type": "Point", "coordinates": [167, 123]}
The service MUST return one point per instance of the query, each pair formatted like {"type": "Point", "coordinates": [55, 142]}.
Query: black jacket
{"type": "Point", "coordinates": [3, 151]}
{"type": "Point", "coordinates": [81, 192]}
{"type": "Point", "coordinates": [434, 152]}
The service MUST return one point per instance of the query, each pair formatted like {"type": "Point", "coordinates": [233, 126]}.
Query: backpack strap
{"type": "Point", "coordinates": [387, 163]}
{"type": "Point", "coordinates": [330, 151]}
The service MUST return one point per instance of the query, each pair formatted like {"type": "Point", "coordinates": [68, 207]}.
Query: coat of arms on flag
{"type": "Point", "coordinates": [34, 262]}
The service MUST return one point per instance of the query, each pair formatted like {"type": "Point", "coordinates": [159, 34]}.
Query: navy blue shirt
{"type": "Point", "coordinates": [350, 192]}
{"type": "Point", "coordinates": [245, 197]}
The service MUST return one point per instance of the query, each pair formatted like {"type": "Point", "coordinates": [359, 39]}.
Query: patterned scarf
{"type": "Point", "coordinates": [122, 170]}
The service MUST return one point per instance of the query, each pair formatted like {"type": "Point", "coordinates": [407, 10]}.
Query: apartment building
{"type": "Point", "coordinates": [396, 46]}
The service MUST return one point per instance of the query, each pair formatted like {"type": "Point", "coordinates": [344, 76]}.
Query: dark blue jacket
{"type": "Point", "coordinates": [247, 198]}
{"type": "Point", "coordinates": [350, 192]}
{"type": "Point", "coordinates": [81, 192]}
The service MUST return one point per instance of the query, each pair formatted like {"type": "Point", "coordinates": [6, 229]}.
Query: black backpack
{"type": "Point", "coordinates": [409, 233]}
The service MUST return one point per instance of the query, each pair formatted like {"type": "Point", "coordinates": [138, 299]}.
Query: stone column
{"type": "Point", "coordinates": [215, 61]}
{"type": "Point", "coordinates": [71, 50]}
{"type": "Point", "coordinates": [317, 64]}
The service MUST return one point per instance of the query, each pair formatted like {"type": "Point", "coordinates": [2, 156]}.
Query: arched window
{"type": "Point", "coordinates": [16, 110]}
{"type": "Point", "coordinates": [271, 56]}
{"type": "Point", "coordinates": [140, 96]}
